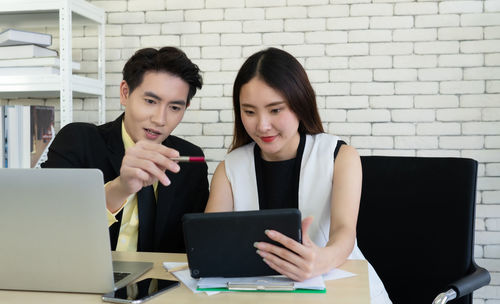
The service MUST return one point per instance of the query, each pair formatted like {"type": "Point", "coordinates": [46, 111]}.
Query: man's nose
{"type": "Point", "coordinates": [160, 116]}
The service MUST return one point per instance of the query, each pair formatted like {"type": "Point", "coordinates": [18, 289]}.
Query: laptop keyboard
{"type": "Point", "coordinates": [120, 275]}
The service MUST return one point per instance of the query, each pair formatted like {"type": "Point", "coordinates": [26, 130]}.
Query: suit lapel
{"type": "Point", "coordinates": [113, 136]}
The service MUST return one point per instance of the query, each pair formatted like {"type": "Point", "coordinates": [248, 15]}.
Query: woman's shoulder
{"type": "Point", "coordinates": [240, 158]}
{"type": "Point", "coordinates": [325, 137]}
{"type": "Point", "coordinates": [348, 155]}
{"type": "Point", "coordinates": [323, 142]}
{"type": "Point", "coordinates": [242, 151]}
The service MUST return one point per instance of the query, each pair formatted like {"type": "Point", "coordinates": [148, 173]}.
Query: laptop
{"type": "Point", "coordinates": [54, 233]}
{"type": "Point", "coordinates": [221, 244]}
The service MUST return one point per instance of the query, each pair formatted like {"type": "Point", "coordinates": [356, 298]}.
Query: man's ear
{"type": "Point", "coordinates": [124, 93]}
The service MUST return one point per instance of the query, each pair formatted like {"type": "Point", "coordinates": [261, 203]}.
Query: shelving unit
{"type": "Point", "coordinates": [65, 13]}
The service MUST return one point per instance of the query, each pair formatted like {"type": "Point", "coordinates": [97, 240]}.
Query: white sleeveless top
{"type": "Point", "coordinates": [315, 187]}
{"type": "Point", "coordinates": [315, 182]}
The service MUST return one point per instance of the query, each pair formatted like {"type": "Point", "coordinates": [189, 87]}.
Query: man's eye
{"type": "Point", "coordinates": [150, 101]}
{"type": "Point", "coordinates": [175, 108]}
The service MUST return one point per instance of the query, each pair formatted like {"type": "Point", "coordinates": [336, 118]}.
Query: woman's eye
{"type": "Point", "coordinates": [248, 112]}
{"type": "Point", "coordinates": [276, 111]}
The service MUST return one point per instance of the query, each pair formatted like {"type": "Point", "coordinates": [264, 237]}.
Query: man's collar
{"type": "Point", "coordinates": [127, 140]}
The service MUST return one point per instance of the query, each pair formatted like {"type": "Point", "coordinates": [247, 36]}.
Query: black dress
{"type": "Point", "coordinates": [278, 181]}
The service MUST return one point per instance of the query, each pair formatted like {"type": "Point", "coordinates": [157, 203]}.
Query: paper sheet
{"type": "Point", "coordinates": [314, 283]}
{"type": "Point", "coordinates": [336, 274]}
{"type": "Point", "coordinates": [185, 277]}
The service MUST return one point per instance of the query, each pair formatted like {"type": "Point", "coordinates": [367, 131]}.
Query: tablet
{"type": "Point", "coordinates": [220, 244]}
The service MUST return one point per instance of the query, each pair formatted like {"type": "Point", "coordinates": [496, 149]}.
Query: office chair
{"type": "Point", "coordinates": [416, 227]}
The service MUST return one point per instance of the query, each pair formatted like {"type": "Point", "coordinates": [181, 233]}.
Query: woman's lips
{"type": "Point", "coordinates": [267, 139]}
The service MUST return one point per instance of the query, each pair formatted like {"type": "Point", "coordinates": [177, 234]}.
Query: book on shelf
{"type": "Point", "coordinates": [25, 51]}
{"type": "Point", "coordinates": [19, 37]}
{"type": "Point", "coordinates": [35, 70]}
{"type": "Point", "coordinates": [36, 62]}
{"type": "Point", "coordinates": [2, 137]}
{"type": "Point", "coordinates": [42, 133]}
{"type": "Point", "coordinates": [28, 132]}
{"type": "Point", "coordinates": [16, 145]}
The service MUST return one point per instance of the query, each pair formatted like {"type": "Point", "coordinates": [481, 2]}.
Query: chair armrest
{"type": "Point", "coordinates": [477, 279]}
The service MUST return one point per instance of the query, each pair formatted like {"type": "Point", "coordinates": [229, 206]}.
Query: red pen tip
{"type": "Point", "coordinates": [196, 159]}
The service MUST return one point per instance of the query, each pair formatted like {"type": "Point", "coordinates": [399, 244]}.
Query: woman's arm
{"type": "Point", "coordinates": [306, 260]}
{"type": "Point", "coordinates": [221, 194]}
{"type": "Point", "coordinates": [346, 195]}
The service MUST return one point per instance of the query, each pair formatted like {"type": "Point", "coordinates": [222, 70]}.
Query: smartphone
{"type": "Point", "coordinates": [140, 291]}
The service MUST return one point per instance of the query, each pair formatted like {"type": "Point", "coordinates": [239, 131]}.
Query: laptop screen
{"type": "Point", "coordinates": [53, 231]}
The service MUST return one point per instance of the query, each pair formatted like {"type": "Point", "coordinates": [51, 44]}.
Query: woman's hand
{"type": "Point", "coordinates": [297, 261]}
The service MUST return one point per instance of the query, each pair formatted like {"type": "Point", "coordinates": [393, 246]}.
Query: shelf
{"type": "Point", "coordinates": [65, 85]}
{"type": "Point", "coordinates": [20, 12]}
{"type": "Point", "coordinates": [47, 86]}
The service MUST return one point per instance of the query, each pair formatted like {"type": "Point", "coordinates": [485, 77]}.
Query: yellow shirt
{"type": "Point", "coordinates": [129, 228]}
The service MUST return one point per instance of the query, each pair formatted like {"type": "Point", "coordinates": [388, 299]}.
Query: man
{"type": "Point", "coordinates": [146, 191]}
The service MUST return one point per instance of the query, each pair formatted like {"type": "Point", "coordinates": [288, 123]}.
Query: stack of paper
{"type": "Point", "coordinates": [265, 283]}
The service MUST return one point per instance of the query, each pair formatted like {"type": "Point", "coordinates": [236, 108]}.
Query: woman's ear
{"type": "Point", "coordinates": [124, 93]}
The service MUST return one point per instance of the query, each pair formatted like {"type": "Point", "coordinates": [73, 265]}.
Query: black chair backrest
{"type": "Point", "coordinates": [416, 223]}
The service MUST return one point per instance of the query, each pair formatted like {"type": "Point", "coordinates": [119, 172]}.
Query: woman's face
{"type": "Point", "coordinates": [269, 121]}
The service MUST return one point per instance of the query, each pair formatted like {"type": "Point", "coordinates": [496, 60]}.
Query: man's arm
{"type": "Point", "coordinates": [71, 148]}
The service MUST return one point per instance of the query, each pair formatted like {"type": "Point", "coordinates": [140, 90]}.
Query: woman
{"type": "Point", "coordinates": [280, 157]}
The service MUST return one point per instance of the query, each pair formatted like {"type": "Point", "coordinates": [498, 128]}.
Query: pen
{"type": "Point", "coordinates": [178, 268]}
{"type": "Point", "coordinates": [189, 159]}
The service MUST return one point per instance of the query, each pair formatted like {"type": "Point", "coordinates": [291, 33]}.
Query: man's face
{"type": "Point", "coordinates": [155, 107]}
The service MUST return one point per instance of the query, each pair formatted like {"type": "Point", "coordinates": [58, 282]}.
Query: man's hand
{"type": "Point", "coordinates": [142, 165]}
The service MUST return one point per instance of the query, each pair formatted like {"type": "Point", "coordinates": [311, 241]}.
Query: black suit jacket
{"type": "Point", "coordinates": [84, 145]}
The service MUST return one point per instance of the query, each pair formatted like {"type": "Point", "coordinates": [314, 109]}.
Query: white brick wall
{"type": "Point", "coordinates": [393, 77]}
